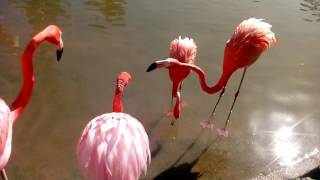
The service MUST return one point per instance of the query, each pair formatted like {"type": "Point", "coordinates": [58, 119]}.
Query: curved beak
{"type": "Point", "coordinates": [152, 67]}
{"type": "Point", "coordinates": [160, 64]}
{"type": "Point", "coordinates": [60, 50]}
{"type": "Point", "coordinates": [59, 54]}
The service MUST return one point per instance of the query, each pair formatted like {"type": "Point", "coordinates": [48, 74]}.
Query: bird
{"type": "Point", "coordinates": [114, 146]}
{"type": "Point", "coordinates": [185, 51]}
{"type": "Point", "coordinates": [249, 40]}
{"type": "Point", "coordinates": [9, 114]}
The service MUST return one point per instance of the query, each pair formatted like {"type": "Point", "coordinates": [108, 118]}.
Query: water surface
{"type": "Point", "coordinates": [274, 125]}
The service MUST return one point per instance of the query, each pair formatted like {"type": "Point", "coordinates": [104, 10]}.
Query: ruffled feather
{"type": "Point", "coordinates": [184, 50]}
{"type": "Point", "coordinates": [253, 32]}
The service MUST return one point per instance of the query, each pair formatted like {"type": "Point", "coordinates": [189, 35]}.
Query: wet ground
{"type": "Point", "coordinates": [274, 131]}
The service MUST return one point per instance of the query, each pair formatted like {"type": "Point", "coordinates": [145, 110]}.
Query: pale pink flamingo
{"type": "Point", "coordinates": [114, 146]}
{"type": "Point", "coordinates": [8, 115]}
{"type": "Point", "coordinates": [185, 51]}
{"type": "Point", "coordinates": [249, 40]}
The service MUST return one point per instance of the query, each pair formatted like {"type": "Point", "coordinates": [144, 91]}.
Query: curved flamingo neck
{"type": "Point", "coordinates": [117, 102]}
{"type": "Point", "coordinates": [23, 98]}
{"type": "Point", "coordinates": [202, 78]}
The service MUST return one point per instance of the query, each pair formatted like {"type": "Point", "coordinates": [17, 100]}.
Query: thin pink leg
{"type": "Point", "coordinates": [209, 122]}
{"type": "Point", "coordinates": [223, 131]}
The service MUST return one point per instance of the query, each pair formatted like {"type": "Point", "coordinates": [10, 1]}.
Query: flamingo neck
{"type": "Point", "coordinates": [202, 79]}
{"type": "Point", "coordinates": [23, 98]}
{"type": "Point", "coordinates": [117, 102]}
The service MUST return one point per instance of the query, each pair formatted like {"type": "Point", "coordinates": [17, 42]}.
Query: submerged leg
{"type": "Point", "coordinates": [177, 107]}
{"type": "Point", "coordinates": [223, 131]}
{"type": "Point", "coordinates": [4, 174]}
{"type": "Point", "coordinates": [183, 103]}
{"type": "Point", "coordinates": [209, 123]}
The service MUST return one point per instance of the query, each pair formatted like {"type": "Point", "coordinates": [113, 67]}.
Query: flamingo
{"type": "Point", "coordinates": [249, 40]}
{"type": "Point", "coordinates": [114, 146]}
{"type": "Point", "coordinates": [9, 114]}
{"type": "Point", "coordinates": [185, 51]}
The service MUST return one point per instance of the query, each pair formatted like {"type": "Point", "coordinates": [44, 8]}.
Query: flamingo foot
{"type": "Point", "coordinates": [206, 124]}
{"type": "Point", "coordinates": [222, 132]}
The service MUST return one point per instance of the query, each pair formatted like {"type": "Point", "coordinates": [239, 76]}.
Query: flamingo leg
{"type": "Point", "coordinates": [215, 106]}
{"type": "Point", "coordinates": [209, 123]}
{"type": "Point", "coordinates": [171, 104]}
{"type": "Point", "coordinates": [178, 101]}
{"type": "Point", "coordinates": [4, 174]}
{"type": "Point", "coordinates": [223, 131]}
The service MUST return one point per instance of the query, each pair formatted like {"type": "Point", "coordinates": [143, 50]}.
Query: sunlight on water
{"type": "Point", "coordinates": [287, 149]}
{"type": "Point", "coordinates": [284, 147]}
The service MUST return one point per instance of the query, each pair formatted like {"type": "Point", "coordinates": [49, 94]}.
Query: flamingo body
{"type": "Point", "coordinates": [249, 40]}
{"type": "Point", "coordinates": [185, 51]}
{"type": "Point", "coordinates": [5, 133]}
{"type": "Point", "coordinates": [114, 146]}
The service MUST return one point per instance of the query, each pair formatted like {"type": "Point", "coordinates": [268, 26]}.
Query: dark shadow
{"type": "Point", "coordinates": [182, 171]}
{"type": "Point", "coordinates": [156, 151]}
{"type": "Point", "coordinates": [313, 174]}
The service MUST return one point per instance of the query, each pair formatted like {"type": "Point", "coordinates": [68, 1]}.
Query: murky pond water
{"type": "Point", "coordinates": [275, 124]}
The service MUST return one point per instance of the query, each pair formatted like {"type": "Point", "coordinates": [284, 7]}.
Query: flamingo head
{"type": "Point", "coordinates": [54, 36]}
{"type": "Point", "coordinates": [184, 50]}
{"type": "Point", "coordinates": [122, 80]}
{"type": "Point", "coordinates": [167, 63]}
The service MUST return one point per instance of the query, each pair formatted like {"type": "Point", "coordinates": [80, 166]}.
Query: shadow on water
{"type": "Point", "coordinates": [156, 151]}
{"type": "Point", "coordinates": [184, 171]}
{"type": "Point", "coordinates": [313, 174]}
{"type": "Point", "coordinates": [312, 6]}
{"type": "Point", "coordinates": [112, 10]}
{"type": "Point", "coordinates": [40, 13]}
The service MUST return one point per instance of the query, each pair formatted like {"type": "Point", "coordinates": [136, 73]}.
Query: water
{"type": "Point", "coordinates": [275, 122]}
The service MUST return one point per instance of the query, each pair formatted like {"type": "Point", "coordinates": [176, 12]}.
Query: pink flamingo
{"type": "Point", "coordinates": [114, 146]}
{"type": "Point", "coordinates": [8, 115]}
{"type": "Point", "coordinates": [249, 40]}
{"type": "Point", "coordinates": [185, 51]}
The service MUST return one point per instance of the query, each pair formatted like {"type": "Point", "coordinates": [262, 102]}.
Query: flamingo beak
{"type": "Point", "coordinates": [152, 67]}
{"type": "Point", "coordinates": [60, 49]}
{"type": "Point", "coordinates": [59, 54]}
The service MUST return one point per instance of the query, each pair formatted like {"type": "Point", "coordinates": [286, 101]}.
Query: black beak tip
{"type": "Point", "coordinates": [59, 54]}
{"type": "Point", "coordinates": [152, 67]}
